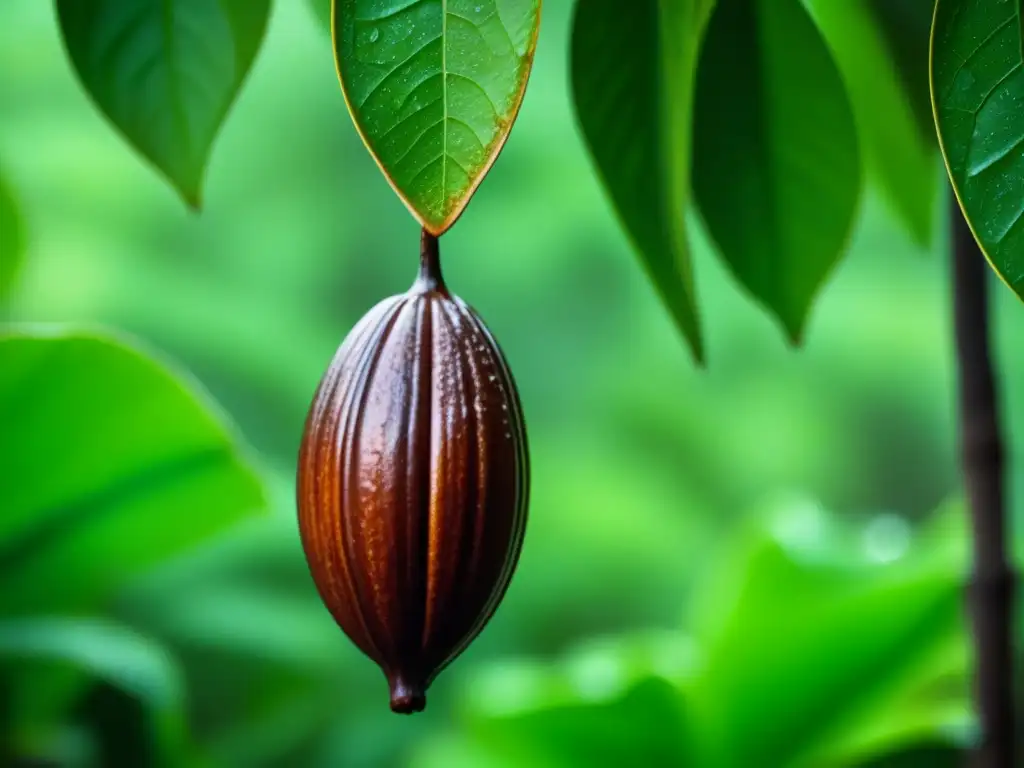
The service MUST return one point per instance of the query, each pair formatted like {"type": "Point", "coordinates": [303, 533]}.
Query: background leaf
{"type": "Point", "coordinates": [322, 12]}
{"type": "Point", "coordinates": [907, 26]}
{"type": "Point", "coordinates": [860, 652]}
{"type": "Point", "coordinates": [165, 72]}
{"type": "Point", "coordinates": [102, 446]}
{"type": "Point", "coordinates": [978, 89]}
{"type": "Point", "coordinates": [12, 238]}
{"type": "Point", "coordinates": [897, 155]}
{"type": "Point", "coordinates": [633, 71]}
{"type": "Point", "coordinates": [434, 87]}
{"type": "Point", "coordinates": [611, 702]}
{"type": "Point", "coordinates": [133, 680]}
{"type": "Point", "coordinates": [776, 167]}
{"type": "Point", "coordinates": [807, 590]}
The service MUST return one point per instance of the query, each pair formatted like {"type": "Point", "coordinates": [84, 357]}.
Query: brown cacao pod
{"type": "Point", "coordinates": [413, 482]}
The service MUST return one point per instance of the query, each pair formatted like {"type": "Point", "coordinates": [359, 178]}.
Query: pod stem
{"type": "Point", "coordinates": [430, 277]}
{"type": "Point", "coordinates": [983, 459]}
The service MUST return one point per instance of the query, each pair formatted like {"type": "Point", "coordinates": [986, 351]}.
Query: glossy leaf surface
{"type": "Point", "coordinates": [111, 465]}
{"type": "Point", "coordinates": [776, 161]}
{"type": "Point", "coordinates": [434, 87]}
{"type": "Point", "coordinates": [978, 93]}
{"type": "Point", "coordinates": [165, 72]}
{"type": "Point", "coordinates": [900, 159]}
{"type": "Point", "coordinates": [634, 103]}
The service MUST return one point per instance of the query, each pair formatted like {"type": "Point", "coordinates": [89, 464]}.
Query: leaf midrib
{"type": "Point", "coordinates": [444, 105]}
{"type": "Point", "coordinates": [64, 519]}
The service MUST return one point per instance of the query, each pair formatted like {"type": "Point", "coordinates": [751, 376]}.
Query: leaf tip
{"type": "Point", "coordinates": [193, 200]}
{"type": "Point", "coordinates": [796, 330]}
{"type": "Point", "coordinates": [697, 351]}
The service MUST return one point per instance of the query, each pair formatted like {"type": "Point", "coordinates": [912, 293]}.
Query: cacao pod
{"type": "Point", "coordinates": [413, 482]}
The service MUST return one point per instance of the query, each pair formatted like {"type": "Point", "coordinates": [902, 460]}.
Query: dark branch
{"type": "Point", "coordinates": [983, 458]}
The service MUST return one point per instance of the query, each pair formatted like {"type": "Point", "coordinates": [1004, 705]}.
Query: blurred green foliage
{"type": "Point", "coordinates": [899, 156]}
{"type": "Point", "coordinates": [12, 237]}
{"type": "Point", "coordinates": [667, 610]}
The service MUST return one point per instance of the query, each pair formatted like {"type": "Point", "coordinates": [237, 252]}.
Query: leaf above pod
{"type": "Point", "coordinates": [165, 72]}
{"type": "Point", "coordinates": [978, 92]}
{"type": "Point", "coordinates": [434, 87]}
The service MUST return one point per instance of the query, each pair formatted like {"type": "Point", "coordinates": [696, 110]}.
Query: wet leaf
{"type": "Point", "coordinates": [978, 92]}
{"type": "Point", "coordinates": [434, 87]}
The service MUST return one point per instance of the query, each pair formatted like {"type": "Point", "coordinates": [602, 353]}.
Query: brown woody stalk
{"type": "Point", "coordinates": [983, 457]}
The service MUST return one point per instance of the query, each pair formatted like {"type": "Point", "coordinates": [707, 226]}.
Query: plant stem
{"type": "Point", "coordinates": [983, 458]}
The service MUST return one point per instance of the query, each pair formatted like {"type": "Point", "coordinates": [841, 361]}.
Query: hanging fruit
{"type": "Point", "coordinates": [413, 473]}
{"type": "Point", "coordinates": [413, 482]}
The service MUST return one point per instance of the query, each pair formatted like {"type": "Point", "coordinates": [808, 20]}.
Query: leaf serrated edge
{"type": "Point", "coordinates": [496, 146]}
{"type": "Point", "coordinates": [945, 156]}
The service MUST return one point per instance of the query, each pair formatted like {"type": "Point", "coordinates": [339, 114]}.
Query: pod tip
{"type": "Point", "coordinates": [405, 697]}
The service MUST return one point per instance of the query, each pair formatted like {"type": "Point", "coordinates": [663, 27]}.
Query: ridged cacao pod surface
{"type": "Point", "coordinates": [413, 482]}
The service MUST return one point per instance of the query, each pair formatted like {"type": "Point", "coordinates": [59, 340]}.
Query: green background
{"type": "Point", "coordinates": [649, 474]}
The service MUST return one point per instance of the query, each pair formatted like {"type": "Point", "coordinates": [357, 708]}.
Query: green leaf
{"type": "Point", "coordinates": [12, 239]}
{"type": "Point", "coordinates": [978, 93]}
{"type": "Point", "coordinates": [111, 465]}
{"type": "Point", "coordinates": [322, 12]}
{"type": "Point", "coordinates": [633, 74]}
{"type": "Point", "coordinates": [115, 657]}
{"type": "Point", "coordinates": [921, 757]}
{"type": "Point", "coordinates": [776, 167]}
{"type": "Point", "coordinates": [896, 154]}
{"type": "Point", "coordinates": [165, 72]}
{"type": "Point", "coordinates": [907, 26]}
{"type": "Point", "coordinates": [860, 645]}
{"type": "Point", "coordinates": [610, 703]}
{"type": "Point", "coordinates": [434, 87]}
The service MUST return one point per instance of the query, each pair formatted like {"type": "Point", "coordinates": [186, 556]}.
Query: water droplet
{"type": "Point", "coordinates": [374, 35]}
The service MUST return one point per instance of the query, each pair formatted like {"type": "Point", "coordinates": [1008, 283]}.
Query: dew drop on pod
{"type": "Point", "coordinates": [413, 482]}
